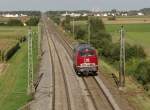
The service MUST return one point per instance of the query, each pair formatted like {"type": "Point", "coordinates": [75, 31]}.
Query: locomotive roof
{"type": "Point", "coordinates": [84, 46]}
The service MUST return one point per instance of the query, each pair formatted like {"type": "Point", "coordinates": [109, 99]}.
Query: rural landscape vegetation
{"type": "Point", "coordinates": [101, 29]}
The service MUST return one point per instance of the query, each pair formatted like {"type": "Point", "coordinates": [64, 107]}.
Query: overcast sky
{"type": "Point", "coordinates": [45, 5]}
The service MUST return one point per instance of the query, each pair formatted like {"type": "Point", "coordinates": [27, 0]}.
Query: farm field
{"type": "Point", "coordinates": [135, 34]}
{"type": "Point", "coordinates": [128, 20]}
{"type": "Point", "coordinates": [5, 19]}
{"type": "Point", "coordinates": [12, 32]}
{"type": "Point", "coordinates": [13, 77]}
{"type": "Point", "coordinates": [9, 40]}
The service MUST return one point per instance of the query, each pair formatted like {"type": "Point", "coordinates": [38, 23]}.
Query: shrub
{"type": "Point", "coordinates": [131, 65]}
{"type": "Point", "coordinates": [10, 51]}
{"type": "Point", "coordinates": [80, 33]}
{"type": "Point", "coordinates": [33, 21]}
{"type": "Point", "coordinates": [112, 18]}
{"type": "Point", "coordinates": [142, 73]}
{"type": "Point", "coordinates": [56, 19]}
{"type": "Point", "coordinates": [2, 24]}
{"type": "Point", "coordinates": [96, 25]}
{"type": "Point", "coordinates": [135, 51]}
{"type": "Point", "coordinates": [14, 22]}
{"type": "Point", "coordinates": [66, 23]}
{"type": "Point", "coordinates": [100, 39]}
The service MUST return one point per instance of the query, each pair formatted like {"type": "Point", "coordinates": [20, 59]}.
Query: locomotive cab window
{"type": "Point", "coordinates": [89, 53]}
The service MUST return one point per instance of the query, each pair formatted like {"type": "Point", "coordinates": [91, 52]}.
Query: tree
{"type": "Point", "coordinates": [80, 33]}
{"type": "Point", "coordinates": [135, 51]}
{"type": "Point", "coordinates": [142, 72]}
{"type": "Point", "coordinates": [66, 23]}
{"type": "Point", "coordinates": [112, 18]}
{"type": "Point", "coordinates": [96, 25]}
{"type": "Point", "coordinates": [33, 21]}
{"type": "Point", "coordinates": [14, 22]}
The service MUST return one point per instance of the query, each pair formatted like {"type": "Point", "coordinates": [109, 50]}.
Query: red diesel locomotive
{"type": "Point", "coordinates": [85, 60]}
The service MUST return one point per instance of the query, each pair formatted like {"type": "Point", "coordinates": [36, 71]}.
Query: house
{"type": "Point", "coordinates": [124, 14]}
{"type": "Point", "coordinates": [85, 15]}
{"type": "Point", "coordinates": [10, 15]}
{"type": "Point", "coordinates": [98, 15]}
{"type": "Point", "coordinates": [104, 14]}
{"type": "Point", "coordinates": [65, 14]}
{"type": "Point", "coordinates": [140, 14]}
{"type": "Point", "coordinates": [71, 14]}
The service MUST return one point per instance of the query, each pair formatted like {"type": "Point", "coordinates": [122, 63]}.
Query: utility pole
{"type": "Point", "coordinates": [73, 28]}
{"type": "Point", "coordinates": [122, 59]}
{"type": "Point", "coordinates": [30, 64]}
{"type": "Point", "coordinates": [39, 39]}
{"type": "Point", "coordinates": [89, 30]}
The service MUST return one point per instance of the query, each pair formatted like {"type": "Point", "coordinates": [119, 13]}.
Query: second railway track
{"type": "Point", "coordinates": [67, 103]}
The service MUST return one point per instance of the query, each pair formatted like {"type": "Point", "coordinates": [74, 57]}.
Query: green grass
{"type": "Point", "coordinates": [128, 27]}
{"type": "Point", "coordinates": [14, 32]}
{"type": "Point", "coordinates": [13, 81]}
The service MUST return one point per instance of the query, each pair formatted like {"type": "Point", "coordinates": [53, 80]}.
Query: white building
{"type": "Point", "coordinates": [66, 14]}
{"type": "Point", "coordinates": [85, 15]}
{"type": "Point", "coordinates": [71, 14]}
{"type": "Point", "coordinates": [98, 15]}
{"type": "Point", "coordinates": [124, 14]}
{"type": "Point", "coordinates": [75, 14]}
{"type": "Point", "coordinates": [104, 14]}
{"type": "Point", "coordinates": [23, 15]}
{"type": "Point", "coordinates": [10, 15]}
{"type": "Point", "coordinates": [140, 14]}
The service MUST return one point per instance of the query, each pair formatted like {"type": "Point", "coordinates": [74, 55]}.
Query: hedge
{"type": "Point", "coordinates": [8, 49]}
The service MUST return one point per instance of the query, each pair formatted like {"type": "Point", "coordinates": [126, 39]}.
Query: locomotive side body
{"type": "Point", "coordinates": [85, 59]}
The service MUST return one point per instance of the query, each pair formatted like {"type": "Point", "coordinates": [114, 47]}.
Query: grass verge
{"type": "Point", "coordinates": [13, 81]}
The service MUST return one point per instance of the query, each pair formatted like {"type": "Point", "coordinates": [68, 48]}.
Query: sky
{"type": "Point", "coordinates": [44, 5]}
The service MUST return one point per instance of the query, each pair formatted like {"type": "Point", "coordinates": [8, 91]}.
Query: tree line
{"type": "Point", "coordinates": [33, 21]}
{"type": "Point", "coordinates": [29, 13]}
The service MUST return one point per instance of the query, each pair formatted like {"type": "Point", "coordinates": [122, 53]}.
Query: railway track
{"type": "Point", "coordinates": [110, 103]}
{"type": "Point", "coordinates": [52, 44]}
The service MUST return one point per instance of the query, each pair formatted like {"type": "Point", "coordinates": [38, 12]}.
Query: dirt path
{"type": "Point", "coordinates": [42, 95]}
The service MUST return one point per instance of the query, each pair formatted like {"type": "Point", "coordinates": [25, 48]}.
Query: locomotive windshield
{"type": "Point", "coordinates": [87, 53]}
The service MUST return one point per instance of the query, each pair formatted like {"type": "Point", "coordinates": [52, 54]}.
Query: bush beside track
{"type": "Point", "coordinates": [7, 49]}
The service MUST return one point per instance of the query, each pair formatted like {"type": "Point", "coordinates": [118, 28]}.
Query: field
{"type": "Point", "coordinates": [4, 19]}
{"type": "Point", "coordinates": [128, 20]}
{"type": "Point", "coordinates": [9, 40]}
{"type": "Point", "coordinates": [13, 33]}
{"type": "Point", "coordinates": [135, 34]}
{"type": "Point", "coordinates": [13, 79]}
